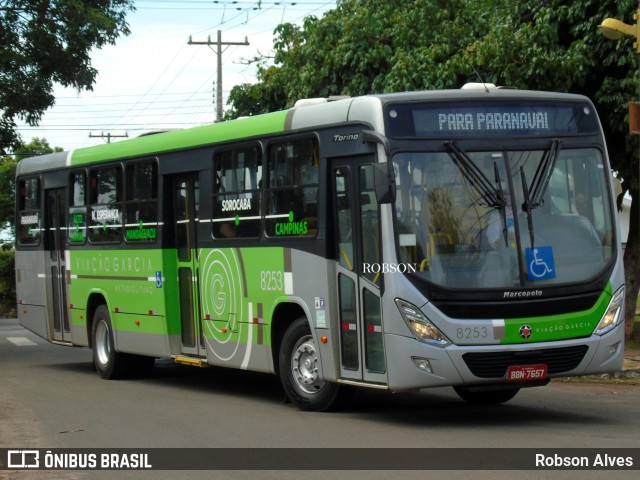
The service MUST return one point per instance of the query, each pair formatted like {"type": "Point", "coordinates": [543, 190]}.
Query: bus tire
{"type": "Point", "coordinates": [111, 365]}
{"type": "Point", "coordinates": [486, 397]}
{"type": "Point", "coordinates": [299, 371]}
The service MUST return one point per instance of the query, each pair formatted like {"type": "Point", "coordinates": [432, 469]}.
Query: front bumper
{"type": "Point", "coordinates": [487, 364]}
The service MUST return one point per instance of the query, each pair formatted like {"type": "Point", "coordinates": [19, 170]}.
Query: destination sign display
{"type": "Point", "coordinates": [478, 119]}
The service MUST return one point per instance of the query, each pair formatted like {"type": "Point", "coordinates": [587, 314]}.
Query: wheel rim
{"type": "Point", "coordinates": [102, 346]}
{"type": "Point", "coordinates": [304, 366]}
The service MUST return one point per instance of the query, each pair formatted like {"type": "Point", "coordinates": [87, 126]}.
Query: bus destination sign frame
{"type": "Point", "coordinates": [494, 119]}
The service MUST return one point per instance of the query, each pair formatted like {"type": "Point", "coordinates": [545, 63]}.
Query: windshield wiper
{"type": "Point", "coordinates": [533, 196]}
{"type": "Point", "coordinates": [492, 196]}
{"type": "Point", "coordinates": [502, 209]}
{"type": "Point", "coordinates": [526, 206]}
{"type": "Point", "coordinates": [541, 179]}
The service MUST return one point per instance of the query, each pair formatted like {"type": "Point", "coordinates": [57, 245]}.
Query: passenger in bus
{"type": "Point", "coordinates": [227, 230]}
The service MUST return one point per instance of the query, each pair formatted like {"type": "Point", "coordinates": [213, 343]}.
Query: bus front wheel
{"type": "Point", "coordinates": [486, 397]}
{"type": "Point", "coordinates": [299, 370]}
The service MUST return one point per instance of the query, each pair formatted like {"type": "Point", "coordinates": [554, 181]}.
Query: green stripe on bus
{"type": "Point", "coordinates": [557, 327]}
{"type": "Point", "coordinates": [237, 286]}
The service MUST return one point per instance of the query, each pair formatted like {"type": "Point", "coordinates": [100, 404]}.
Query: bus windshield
{"type": "Point", "coordinates": [504, 219]}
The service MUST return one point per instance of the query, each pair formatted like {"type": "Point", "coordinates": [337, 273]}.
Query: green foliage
{"type": "Point", "coordinates": [556, 45]}
{"type": "Point", "coordinates": [371, 46]}
{"type": "Point", "coordinates": [7, 282]}
{"type": "Point", "coordinates": [7, 190]}
{"type": "Point", "coordinates": [43, 42]}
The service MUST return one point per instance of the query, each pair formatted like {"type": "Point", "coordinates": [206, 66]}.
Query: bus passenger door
{"type": "Point", "coordinates": [357, 243]}
{"type": "Point", "coordinates": [186, 196]}
{"type": "Point", "coordinates": [56, 228]}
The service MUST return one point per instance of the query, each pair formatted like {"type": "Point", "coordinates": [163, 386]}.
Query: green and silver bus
{"type": "Point", "coordinates": [463, 238]}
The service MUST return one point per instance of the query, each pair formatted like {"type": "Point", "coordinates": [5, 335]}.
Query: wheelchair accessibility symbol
{"type": "Point", "coordinates": [540, 264]}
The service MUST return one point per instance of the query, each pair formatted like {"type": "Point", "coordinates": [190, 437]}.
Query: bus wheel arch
{"type": "Point", "coordinates": [94, 301]}
{"type": "Point", "coordinates": [299, 369]}
{"type": "Point", "coordinates": [283, 316]}
{"type": "Point", "coordinates": [107, 360]}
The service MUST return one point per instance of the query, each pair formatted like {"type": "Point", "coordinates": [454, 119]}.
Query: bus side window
{"type": "Point", "coordinates": [141, 208]}
{"type": "Point", "coordinates": [292, 194]}
{"type": "Point", "coordinates": [77, 217]}
{"type": "Point", "coordinates": [105, 194]}
{"type": "Point", "coordinates": [29, 218]}
{"type": "Point", "coordinates": [236, 193]}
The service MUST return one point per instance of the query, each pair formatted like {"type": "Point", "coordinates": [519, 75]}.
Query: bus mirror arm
{"type": "Point", "coordinates": [385, 184]}
{"type": "Point", "coordinates": [369, 136]}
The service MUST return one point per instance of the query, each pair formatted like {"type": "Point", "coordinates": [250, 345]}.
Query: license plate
{"type": "Point", "coordinates": [526, 373]}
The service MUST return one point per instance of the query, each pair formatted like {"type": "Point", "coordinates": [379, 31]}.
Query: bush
{"type": "Point", "coordinates": [7, 283]}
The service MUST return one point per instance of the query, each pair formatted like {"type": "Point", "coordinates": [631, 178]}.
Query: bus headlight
{"type": "Point", "coordinates": [614, 315]}
{"type": "Point", "coordinates": [422, 328]}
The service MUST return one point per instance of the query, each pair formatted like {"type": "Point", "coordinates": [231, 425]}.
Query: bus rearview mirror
{"type": "Point", "coordinates": [385, 184]}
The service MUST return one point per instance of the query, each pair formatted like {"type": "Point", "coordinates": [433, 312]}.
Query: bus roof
{"type": "Point", "coordinates": [161, 142]}
{"type": "Point", "coordinates": [349, 109]}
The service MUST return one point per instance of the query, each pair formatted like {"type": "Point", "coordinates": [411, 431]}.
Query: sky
{"type": "Point", "coordinates": [153, 79]}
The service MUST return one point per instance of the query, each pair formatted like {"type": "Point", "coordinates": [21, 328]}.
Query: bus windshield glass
{"type": "Point", "coordinates": [503, 219]}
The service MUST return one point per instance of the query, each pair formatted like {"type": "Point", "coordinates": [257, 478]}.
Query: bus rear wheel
{"type": "Point", "coordinates": [299, 370]}
{"type": "Point", "coordinates": [109, 363]}
{"type": "Point", "coordinates": [486, 397]}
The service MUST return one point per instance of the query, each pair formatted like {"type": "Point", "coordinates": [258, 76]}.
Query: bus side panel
{"type": "Point", "coordinates": [315, 283]}
{"type": "Point", "coordinates": [239, 289]}
{"type": "Point", "coordinates": [31, 291]}
{"type": "Point", "coordinates": [171, 294]}
{"type": "Point", "coordinates": [78, 322]}
{"type": "Point", "coordinates": [142, 334]}
{"type": "Point", "coordinates": [132, 284]}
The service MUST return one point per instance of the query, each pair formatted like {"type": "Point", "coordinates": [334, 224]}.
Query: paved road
{"type": "Point", "coordinates": [51, 398]}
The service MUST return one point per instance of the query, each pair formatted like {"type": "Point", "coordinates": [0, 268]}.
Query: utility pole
{"type": "Point", "coordinates": [108, 136]}
{"type": "Point", "coordinates": [218, 52]}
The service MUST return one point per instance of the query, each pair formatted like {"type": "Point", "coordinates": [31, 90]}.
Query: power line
{"type": "Point", "coordinates": [188, 99]}
{"type": "Point", "coordinates": [192, 107]}
{"type": "Point", "coordinates": [158, 79]}
{"type": "Point", "coordinates": [123, 95]}
{"type": "Point", "coordinates": [75, 113]}
{"type": "Point", "coordinates": [126, 126]}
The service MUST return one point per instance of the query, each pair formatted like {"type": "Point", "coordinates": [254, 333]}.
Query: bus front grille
{"type": "Point", "coordinates": [495, 364]}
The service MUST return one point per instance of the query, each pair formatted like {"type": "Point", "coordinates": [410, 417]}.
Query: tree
{"type": "Point", "coordinates": [43, 42]}
{"type": "Point", "coordinates": [375, 46]}
{"type": "Point", "coordinates": [37, 146]}
{"type": "Point", "coordinates": [370, 46]}
{"type": "Point", "coordinates": [263, 97]}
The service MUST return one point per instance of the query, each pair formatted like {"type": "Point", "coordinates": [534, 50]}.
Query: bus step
{"type": "Point", "coordinates": [191, 361]}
